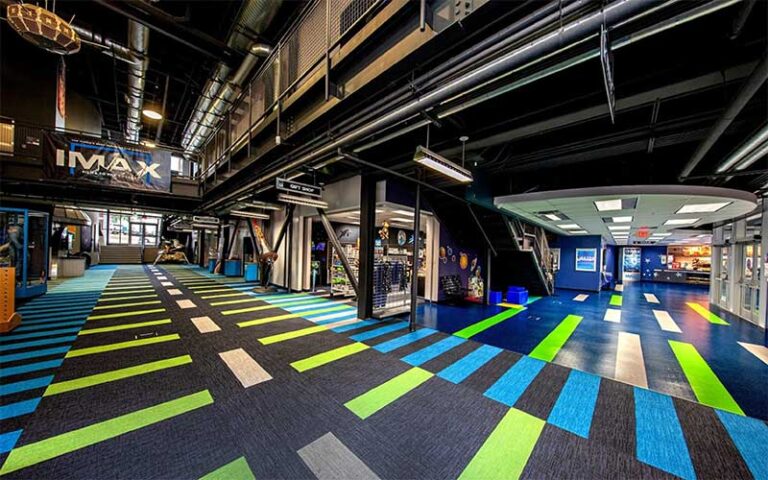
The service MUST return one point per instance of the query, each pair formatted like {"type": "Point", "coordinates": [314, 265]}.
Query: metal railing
{"type": "Point", "coordinates": [304, 48]}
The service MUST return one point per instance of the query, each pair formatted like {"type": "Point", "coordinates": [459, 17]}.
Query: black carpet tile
{"type": "Point", "coordinates": [456, 353]}
{"type": "Point", "coordinates": [540, 396]}
{"type": "Point", "coordinates": [613, 422]}
{"type": "Point", "coordinates": [487, 375]}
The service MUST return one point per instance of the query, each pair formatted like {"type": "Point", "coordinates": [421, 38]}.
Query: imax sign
{"type": "Point", "coordinates": [95, 162]}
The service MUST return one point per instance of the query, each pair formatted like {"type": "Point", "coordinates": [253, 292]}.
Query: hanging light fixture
{"type": "Point", "coordinates": [258, 216]}
{"type": "Point", "coordinates": [152, 113]}
{"type": "Point", "coordinates": [441, 164]}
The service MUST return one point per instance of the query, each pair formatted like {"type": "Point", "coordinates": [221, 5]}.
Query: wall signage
{"type": "Point", "coordinates": [586, 259]}
{"type": "Point", "coordinates": [298, 187]}
{"type": "Point", "coordinates": [104, 163]}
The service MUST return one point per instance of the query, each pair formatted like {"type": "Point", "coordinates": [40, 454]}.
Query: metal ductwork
{"type": "Point", "coordinates": [138, 39]}
{"type": "Point", "coordinates": [107, 45]}
{"type": "Point", "coordinates": [220, 90]}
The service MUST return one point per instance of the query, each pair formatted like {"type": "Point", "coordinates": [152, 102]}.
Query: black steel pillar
{"type": "Point", "coordinates": [337, 246]}
{"type": "Point", "coordinates": [367, 234]}
{"type": "Point", "coordinates": [283, 228]}
{"type": "Point", "coordinates": [289, 255]}
{"type": "Point", "coordinates": [415, 267]}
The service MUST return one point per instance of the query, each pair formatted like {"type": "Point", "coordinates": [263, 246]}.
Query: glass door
{"type": "Point", "coordinates": [137, 234]}
{"type": "Point", "coordinates": [723, 297]}
{"type": "Point", "coordinates": [749, 286]}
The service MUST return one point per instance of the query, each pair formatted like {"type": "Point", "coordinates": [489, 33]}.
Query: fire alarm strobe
{"type": "Point", "coordinates": [43, 28]}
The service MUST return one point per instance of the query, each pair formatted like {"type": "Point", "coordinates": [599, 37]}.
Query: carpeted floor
{"type": "Point", "coordinates": [279, 386]}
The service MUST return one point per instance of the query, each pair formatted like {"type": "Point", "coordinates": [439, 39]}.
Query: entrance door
{"type": "Point", "coordinates": [749, 285]}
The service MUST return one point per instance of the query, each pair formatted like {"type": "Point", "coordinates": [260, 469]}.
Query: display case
{"type": "Point", "coordinates": [24, 246]}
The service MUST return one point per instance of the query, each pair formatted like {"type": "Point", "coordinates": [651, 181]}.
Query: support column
{"type": "Point", "coordinates": [337, 245]}
{"type": "Point", "coordinates": [763, 302]}
{"type": "Point", "coordinates": [415, 267]}
{"type": "Point", "coordinates": [367, 233]}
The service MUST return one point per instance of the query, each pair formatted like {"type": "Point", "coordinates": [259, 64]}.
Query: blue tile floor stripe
{"type": "Point", "coordinates": [660, 440]}
{"type": "Point", "coordinates": [513, 383]}
{"type": "Point", "coordinates": [459, 370]}
{"type": "Point", "coordinates": [50, 320]}
{"type": "Point", "coordinates": [8, 441]}
{"type": "Point", "coordinates": [576, 404]}
{"type": "Point", "coordinates": [37, 343]}
{"type": "Point", "coordinates": [426, 354]}
{"type": "Point", "coordinates": [54, 312]}
{"type": "Point", "coordinates": [24, 385]}
{"type": "Point", "coordinates": [6, 339]}
{"type": "Point", "coordinates": [353, 326]}
{"type": "Point", "coordinates": [377, 332]}
{"type": "Point", "coordinates": [33, 354]}
{"type": "Point", "coordinates": [750, 436]}
{"type": "Point", "coordinates": [30, 367]}
{"type": "Point", "coordinates": [18, 409]}
{"type": "Point", "coordinates": [43, 326]}
{"type": "Point", "coordinates": [348, 316]}
{"type": "Point", "coordinates": [404, 340]}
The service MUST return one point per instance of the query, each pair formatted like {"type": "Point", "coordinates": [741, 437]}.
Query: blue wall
{"type": "Point", "coordinates": [567, 276]}
{"type": "Point", "coordinates": [451, 265]}
{"type": "Point", "coordinates": [650, 260]}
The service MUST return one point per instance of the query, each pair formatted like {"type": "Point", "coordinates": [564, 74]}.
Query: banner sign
{"type": "Point", "coordinates": [298, 187]}
{"type": "Point", "coordinates": [586, 259]}
{"type": "Point", "coordinates": [108, 164]}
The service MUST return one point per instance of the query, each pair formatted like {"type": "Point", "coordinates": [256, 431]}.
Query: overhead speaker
{"type": "Point", "coordinates": [43, 28]}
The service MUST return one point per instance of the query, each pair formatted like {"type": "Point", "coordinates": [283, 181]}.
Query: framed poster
{"type": "Point", "coordinates": [586, 259]}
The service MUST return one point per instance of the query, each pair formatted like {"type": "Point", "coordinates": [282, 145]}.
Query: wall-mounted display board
{"type": "Point", "coordinates": [586, 259]}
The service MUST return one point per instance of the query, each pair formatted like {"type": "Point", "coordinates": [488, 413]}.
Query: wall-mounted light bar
{"type": "Point", "coordinates": [213, 220]}
{"type": "Point", "coordinates": [205, 226]}
{"type": "Point", "coordinates": [264, 205]}
{"type": "Point", "coordinates": [442, 165]}
{"type": "Point", "coordinates": [307, 202]}
{"type": "Point", "coordinates": [240, 213]}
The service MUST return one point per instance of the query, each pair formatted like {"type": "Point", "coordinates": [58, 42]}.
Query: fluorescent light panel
{"type": "Point", "coordinates": [618, 227]}
{"type": "Point", "coordinates": [681, 221]}
{"type": "Point", "coordinates": [403, 212]}
{"type": "Point", "coordinates": [702, 207]}
{"type": "Point", "coordinates": [608, 205]}
{"type": "Point", "coordinates": [570, 226]}
{"type": "Point", "coordinates": [553, 217]}
{"type": "Point", "coordinates": [403, 220]}
{"type": "Point", "coordinates": [308, 202]}
{"type": "Point", "coordinates": [442, 165]}
{"type": "Point", "coordinates": [240, 213]}
{"type": "Point", "coordinates": [624, 219]}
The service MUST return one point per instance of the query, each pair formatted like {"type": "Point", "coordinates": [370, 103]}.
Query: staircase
{"type": "Point", "coordinates": [124, 254]}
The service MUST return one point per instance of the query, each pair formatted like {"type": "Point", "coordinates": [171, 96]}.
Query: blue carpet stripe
{"type": "Point", "coordinates": [353, 326]}
{"type": "Point", "coordinates": [53, 313]}
{"type": "Point", "coordinates": [750, 436]}
{"type": "Point", "coordinates": [660, 440]}
{"type": "Point", "coordinates": [24, 385]}
{"type": "Point", "coordinates": [348, 316]}
{"type": "Point", "coordinates": [12, 337]}
{"type": "Point", "coordinates": [30, 367]}
{"type": "Point", "coordinates": [426, 354]}
{"type": "Point", "coordinates": [18, 409]}
{"type": "Point", "coordinates": [404, 340]}
{"type": "Point", "coordinates": [377, 332]}
{"type": "Point", "coordinates": [8, 441]}
{"type": "Point", "coordinates": [47, 352]}
{"type": "Point", "coordinates": [37, 343]}
{"type": "Point", "coordinates": [510, 386]}
{"type": "Point", "coordinates": [459, 370]}
{"type": "Point", "coordinates": [43, 326]}
{"type": "Point", "coordinates": [576, 404]}
{"type": "Point", "coordinates": [49, 320]}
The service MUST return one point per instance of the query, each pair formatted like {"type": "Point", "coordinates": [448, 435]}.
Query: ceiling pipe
{"type": "Point", "coordinates": [744, 150]}
{"type": "Point", "coordinates": [575, 31]}
{"type": "Point", "coordinates": [107, 45]}
{"type": "Point", "coordinates": [138, 40]}
{"type": "Point", "coordinates": [255, 16]}
{"type": "Point", "coordinates": [748, 90]}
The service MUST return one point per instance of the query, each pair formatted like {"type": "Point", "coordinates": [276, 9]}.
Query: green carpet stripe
{"type": "Point", "coordinates": [53, 447]}
{"type": "Point", "coordinates": [709, 316]}
{"type": "Point", "coordinates": [708, 389]}
{"type": "Point", "coordinates": [327, 357]}
{"type": "Point", "coordinates": [548, 348]}
{"type": "Point", "coordinates": [122, 305]}
{"type": "Point", "coordinates": [125, 314]}
{"type": "Point", "coordinates": [616, 300]}
{"type": "Point", "coordinates": [287, 316]}
{"type": "Point", "coordinates": [507, 449]}
{"type": "Point", "coordinates": [125, 326]}
{"type": "Point", "coordinates": [483, 325]}
{"type": "Point", "coordinates": [273, 306]}
{"type": "Point", "coordinates": [379, 397]}
{"type": "Point", "coordinates": [132, 287]}
{"type": "Point", "coordinates": [281, 337]}
{"type": "Point", "coordinates": [263, 299]}
{"type": "Point", "coordinates": [132, 297]}
{"type": "Point", "coordinates": [79, 352]}
{"type": "Point", "coordinates": [228, 289]}
{"type": "Point", "coordinates": [111, 376]}
{"type": "Point", "coordinates": [222, 295]}
{"type": "Point", "coordinates": [236, 470]}
{"type": "Point", "coordinates": [143, 290]}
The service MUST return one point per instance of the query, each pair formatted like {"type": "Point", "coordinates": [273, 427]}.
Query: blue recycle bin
{"type": "Point", "coordinates": [251, 272]}
{"type": "Point", "coordinates": [211, 265]}
{"type": "Point", "coordinates": [232, 268]}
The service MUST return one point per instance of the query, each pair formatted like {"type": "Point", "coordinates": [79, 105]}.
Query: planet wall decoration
{"type": "Point", "coordinates": [463, 260]}
{"type": "Point", "coordinates": [401, 238]}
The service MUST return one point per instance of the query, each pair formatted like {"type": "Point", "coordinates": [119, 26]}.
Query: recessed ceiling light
{"type": "Point", "coordinates": [153, 114]}
{"type": "Point", "coordinates": [702, 207]}
{"type": "Point", "coordinates": [404, 220]}
{"type": "Point", "coordinates": [625, 219]}
{"type": "Point", "coordinates": [578, 231]}
{"type": "Point", "coordinates": [618, 227]}
{"type": "Point", "coordinates": [608, 205]}
{"type": "Point", "coordinates": [552, 217]}
{"type": "Point", "coordinates": [703, 235]}
{"type": "Point", "coordinates": [403, 212]}
{"type": "Point", "coordinates": [569, 226]}
{"type": "Point", "coordinates": [660, 234]}
{"type": "Point", "coordinates": [681, 221]}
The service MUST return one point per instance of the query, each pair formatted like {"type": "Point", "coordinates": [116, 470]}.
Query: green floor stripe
{"type": "Point", "coordinates": [483, 325]}
{"type": "Point", "coordinates": [79, 352]}
{"type": "Point", "coordinates": [507, 449]}
{"type": "Point", "coordinates": [327, 357]}
{"type": "Point", "coordinates": [125, 314]}
{"type": "Point", "coordinates": [265, 298]}
{"type": "Point", "coordinates": [281, 337]}
{"type": "Point", "coordinates": [132, 297]}
{"type": "Point", "coordinates": [237, 470]}
{"type": "Point", "coordinates": [111, 376]}
{"type": "Point", "coordinates": [273, 305]}
{"type": "Point", "coordinates": [548, 348]}
{"type": "Point", "coordinates": [379, 397]}
{"type": "Point", "coordinates": [708, 316]}
{"type": "Point", "coordinates": [616, 300]}
{"type": "Point", "coordinates": [143, 290]}
{"type": "Point", "coordinates": [53, 447]}
{"type": "Point", "coordinates": [122, 305]}
{"type": "Point", "coordinates": [277, 318]}
{"type": "Point", "coordinates": [132, 287]}
{"type": "Point", "coordinates": [228, 289]}
{"type": "Point", "coordinates": [708, 389]}
{"type": "Point", "coordinates": [222, 295]}
{"type": "Point", "coordinates": [125, 326]}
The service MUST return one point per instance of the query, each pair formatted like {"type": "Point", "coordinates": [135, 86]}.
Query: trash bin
{"type": "Point", "coordinates": [232, 268]}
{"type": "Point", "coordinates": [212, 265]}
{"type": "Point", "coordinates": [251, 272]}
